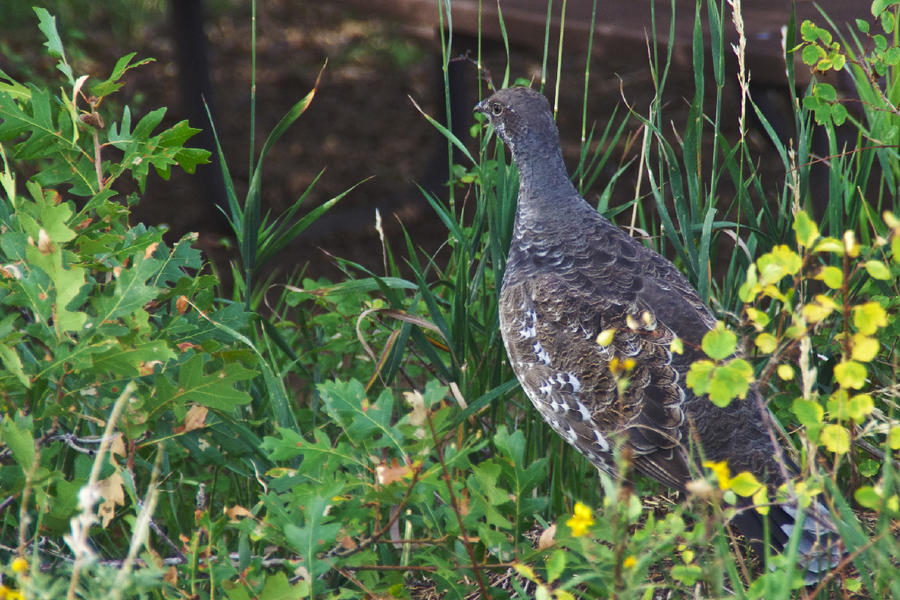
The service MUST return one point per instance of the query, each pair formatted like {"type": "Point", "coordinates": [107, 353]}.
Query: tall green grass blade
{"type": "Point", "coordinates": [274, 243]}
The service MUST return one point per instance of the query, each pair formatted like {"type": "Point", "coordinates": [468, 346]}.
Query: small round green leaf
{"type": "Point", "coordinates": [868, 497]}
{"type": "Point", "coordinates": [699, 376]}
{"type": "Point", "coordinates": [730, 381]}
{"type": "Point", "coordinates": [808, 412]}
{"type": "Point", "coordinates": [719, 343]}
{"type": "Point", "coordinates": [832, 276]}
{"type": "Point", "coordinates": [556, 564]}
{"type": "Point", "coordinates": [836, 438]}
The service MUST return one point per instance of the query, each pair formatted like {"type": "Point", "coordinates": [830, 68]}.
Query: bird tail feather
{"type": "Point", "coordinates": [819, 549]}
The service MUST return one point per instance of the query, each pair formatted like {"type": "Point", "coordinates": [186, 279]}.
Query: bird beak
{"type": "Point", "coordinates": [481, 107]}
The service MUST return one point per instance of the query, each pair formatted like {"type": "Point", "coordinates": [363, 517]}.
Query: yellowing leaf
{"type": "Point", "coordinates": [836, 438]}
{"type": "Point", "coordinates": [776, 264]}
{"type": "Point", "coordinates": [761, 500]}
{"type": "Point", "coordinates": [745, 484]}
{"type": "Point", "coordinates": [677, 346]}
{"type": "Point", "coordinates": [869, 317]}
{"type": "Point", "coordinates": [605, 337]}
{"type": "Point", "coordinates": [525, 571]}
{"type": "Point", "coordinates": [760, 319]}
{"type": "Point", "coordinates": [851, 374]}
{"type": "Point", "coordinates": [766, 342]}
{"type": "Point", "coordinates": [785, 372]}
{"type": "Point", "coordinates": [750, 288]}
{"type": "Point", "coordinates": [819, 309]}
{"type": "Point", "coordinates": [859, 407]}
{"type": "Point", "coordinates": [891, 220]}
{"type": "Point", "coordinates": [419, 414]}
{"type": "Point", "coordinates": [894, 437]}
{"type": "Point", "coordinates": [878, 270]}
{"type": "Point", "coordinates": [806, 229]}
{"type": "Point", "coordinates": [829, 244]}
{"type": "Point", "coordinates": [832, 276]}
{"type": "Point", "coordinates": [863, 348]}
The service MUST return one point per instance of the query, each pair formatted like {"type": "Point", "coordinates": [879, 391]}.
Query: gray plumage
{"type": "Point", "coordinates": [570, 275]}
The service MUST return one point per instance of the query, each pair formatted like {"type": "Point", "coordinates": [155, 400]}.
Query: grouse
{"type": "Point", "coordinates": [572, 275]}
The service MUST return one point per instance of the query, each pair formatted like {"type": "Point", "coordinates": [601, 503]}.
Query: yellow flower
{"type": "Point", "coordinates": [619, 366]}
{"type": "Point", "coordinates": [721, 471]}
{"type": "Point", "coordinates": [10, 594]}
{"type": "Point", "coordinates": [19, 565]}
{"type": "Point", "coordinates": [629, 562]}
{"type": "Point", "coordinates": [581, 520]}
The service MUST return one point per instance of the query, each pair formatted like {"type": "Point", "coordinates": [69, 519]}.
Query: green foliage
{"type": "Point", "coordinates": [367, 434]}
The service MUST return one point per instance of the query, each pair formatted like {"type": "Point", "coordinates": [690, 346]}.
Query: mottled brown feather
{"type": "Point", "coordinates": [570, 275]}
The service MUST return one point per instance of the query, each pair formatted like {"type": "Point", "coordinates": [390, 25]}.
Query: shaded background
{"type": "Point", "coordinates": [362, 123]}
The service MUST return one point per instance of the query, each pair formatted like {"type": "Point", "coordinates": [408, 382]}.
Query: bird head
{"type": "Point", "coordinates": [521, 117]}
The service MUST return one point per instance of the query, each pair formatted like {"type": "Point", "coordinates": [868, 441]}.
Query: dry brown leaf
{"type": "Point", "coordinates": [195, 418]}
{"type": "Point", "coordinates": [149, 250]}
{"type": "Point", "coordinates": [45, 246]}
{"type": "Point", "coordinates": [419, 413]}
{"type": "Point", "coordinates": [547, 538]}
{"type": "Point", "coordinates": [181, 304]}
{"type": "Point", "coordinates": [389, 474]}
{"type": "Point", "coordinates": [113, 492]}
{"type": "Point", "coordinates": [171, 575]}
{"type": "Point", "coordinates": [117, 445]}
{"type": "Point", "coordinates": [235, 513]}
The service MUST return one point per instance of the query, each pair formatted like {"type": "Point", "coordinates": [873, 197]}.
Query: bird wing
{"type": "Point", "coordinates": [597, 394]}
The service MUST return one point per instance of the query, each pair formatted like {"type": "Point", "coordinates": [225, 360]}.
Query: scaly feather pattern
{"type": "Point", "coordinates": [572, 275]}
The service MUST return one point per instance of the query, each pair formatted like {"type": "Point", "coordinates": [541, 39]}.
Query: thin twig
{"type": "Point", "coordinates": [387, 526]}
{"type": "Point", "coordinates": [455, 506]}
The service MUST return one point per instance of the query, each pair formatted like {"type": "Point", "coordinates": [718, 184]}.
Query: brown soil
{"type": "Point", "coordinates": [362, 123]}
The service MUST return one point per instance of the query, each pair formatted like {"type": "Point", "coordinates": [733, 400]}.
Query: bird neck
{"type": "Point", "coordinates": [541, 168]}
{"type": "Point", "coordinates": [544, 183]}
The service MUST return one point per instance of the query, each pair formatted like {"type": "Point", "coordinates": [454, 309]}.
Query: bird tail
{"type": "Point", "coordinates": [819, 547]}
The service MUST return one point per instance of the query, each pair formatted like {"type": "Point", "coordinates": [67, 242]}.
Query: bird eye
{"type": "Point", "coordinates": [496, 109]}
